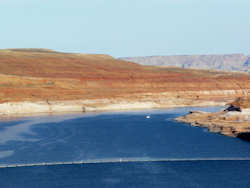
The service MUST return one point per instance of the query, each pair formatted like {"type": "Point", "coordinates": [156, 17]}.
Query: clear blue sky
{"type": "Point", "coordinates": [127, 27]}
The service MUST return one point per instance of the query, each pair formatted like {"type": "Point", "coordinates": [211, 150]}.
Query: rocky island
{"type": "Point", "coordinates": [234, 121]}
{"type": "Point", "coordinates": [45, 81]}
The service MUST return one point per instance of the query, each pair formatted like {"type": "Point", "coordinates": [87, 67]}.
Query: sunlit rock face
{"type": "Point", "coordinates": [233, 121]}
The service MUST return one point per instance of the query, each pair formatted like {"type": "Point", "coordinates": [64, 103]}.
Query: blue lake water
{"type": "Point", "coordinates": [161, 152]}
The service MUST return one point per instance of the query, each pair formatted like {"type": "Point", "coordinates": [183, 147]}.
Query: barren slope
{"type": "Point", "coordinates": [38, 74]}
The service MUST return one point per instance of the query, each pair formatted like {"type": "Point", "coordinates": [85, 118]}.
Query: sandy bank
{"type": "Point", "coordinates": [19, 108]}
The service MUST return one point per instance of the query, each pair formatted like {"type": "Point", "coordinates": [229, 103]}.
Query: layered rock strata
{"type": "Point", "coordinates": [38, 80]}
{"type": "Point", "coordinates": [234, 121]}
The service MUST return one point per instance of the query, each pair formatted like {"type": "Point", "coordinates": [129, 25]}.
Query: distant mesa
{"type": "Point", "coordinates": [224, 62]}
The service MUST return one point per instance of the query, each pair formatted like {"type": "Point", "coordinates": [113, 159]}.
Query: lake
{"type": "Point", "coordinates": [120, 149]}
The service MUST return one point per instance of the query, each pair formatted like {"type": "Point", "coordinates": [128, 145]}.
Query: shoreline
{"type": "Point", "coordinates": [232, 124]}
{"type": "Point", "coordinates": [24, 109]}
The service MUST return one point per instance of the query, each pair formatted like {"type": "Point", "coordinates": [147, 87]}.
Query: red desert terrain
{"type": "Point", "coordinates": [45, 75]}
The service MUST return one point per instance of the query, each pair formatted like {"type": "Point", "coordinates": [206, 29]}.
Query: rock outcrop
{"type": "Point", "coordinates": [234, 121]}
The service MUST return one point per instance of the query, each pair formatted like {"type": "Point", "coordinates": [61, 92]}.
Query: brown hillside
{"type": "Point", "coordinates": [38, 74]}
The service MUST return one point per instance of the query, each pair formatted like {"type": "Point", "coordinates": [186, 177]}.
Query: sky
{"type": "Point", "coordinates": [124, 28]}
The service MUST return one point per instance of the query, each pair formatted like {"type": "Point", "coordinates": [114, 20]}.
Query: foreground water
{"type": "Point", "coordinates": [123, 149]}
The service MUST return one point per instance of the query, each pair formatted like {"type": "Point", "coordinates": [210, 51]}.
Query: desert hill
{"type": "Point", "coordinates": [47, 75]}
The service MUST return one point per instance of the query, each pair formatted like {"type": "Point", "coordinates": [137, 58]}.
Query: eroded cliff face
{"type": "Point", "coordinates": [44, 76]}
{"type": "Point", "coordinates": [233, 121]}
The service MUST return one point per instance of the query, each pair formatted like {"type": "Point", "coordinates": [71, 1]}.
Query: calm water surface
{"type": "Point", "coordinates": [119, 136]}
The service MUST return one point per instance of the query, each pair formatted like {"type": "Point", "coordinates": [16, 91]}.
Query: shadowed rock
{"type": "Point", "coordinates": [244, 136]}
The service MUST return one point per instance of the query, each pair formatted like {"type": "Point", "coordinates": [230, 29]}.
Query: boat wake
{"type": "Point", "coordinates": [122, 160]}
